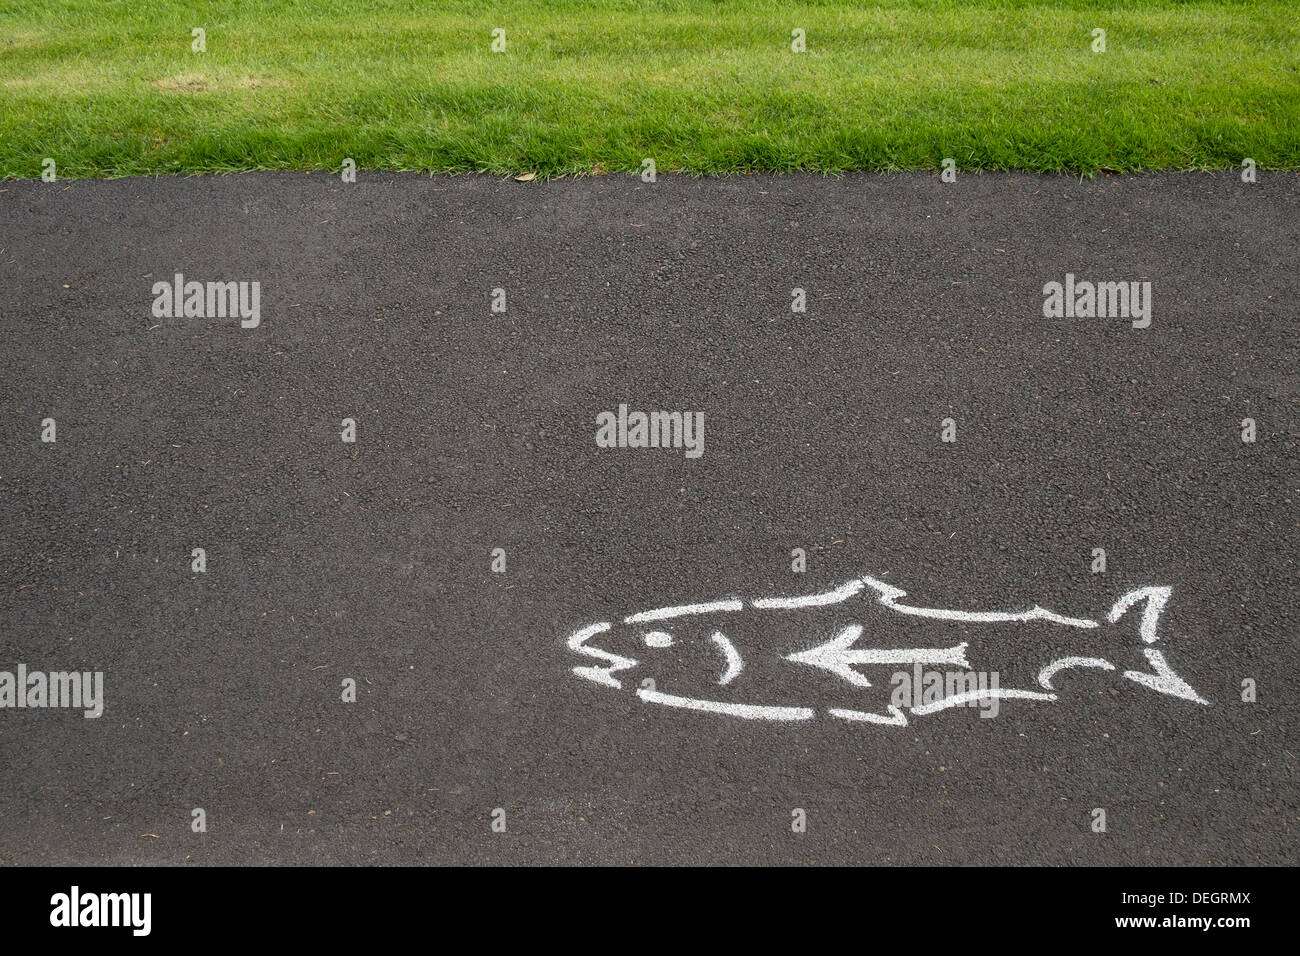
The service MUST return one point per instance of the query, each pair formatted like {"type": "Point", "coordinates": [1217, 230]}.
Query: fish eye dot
{"type": "Point", "coordinates": [658, 639]}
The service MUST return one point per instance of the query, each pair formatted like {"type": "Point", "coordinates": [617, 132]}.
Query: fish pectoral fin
{"type": "Point", "coordinates": [895, 718]}
{"type": "Point", "coordinates": [746, 711]}
{"type": "Point", "coordinates": [975, 697]}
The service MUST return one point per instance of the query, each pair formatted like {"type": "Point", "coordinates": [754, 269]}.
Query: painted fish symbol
{"type": "Point", "coordinates": [844, 653]}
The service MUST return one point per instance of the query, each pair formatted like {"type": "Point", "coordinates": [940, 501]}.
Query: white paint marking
{"type": "Point", "coordinates": [601, 675]}
{"type": "Point", "coordinates": [1046, 674]}
{"type": "Point", "coordinates": [747, 711]}
{"type": "Point", "coordinates": [889, 596]}
{"type": "Point", "coordinates": [896, 719]}
{"type": "Point", "coordinates": [837, 657]}
{"type": "Point", "coordinates": [1164, 680]}
{"type": "Point", "coordinates": [1156, 598]}
{"type": "Point", "coordinates": [842, 593]}
{"type": "Point", "coordinates": [957, 700]}
{"type": "Point", "coordinates": [734, 663]}
{"type": "Point", "coordinates": [681, 610]}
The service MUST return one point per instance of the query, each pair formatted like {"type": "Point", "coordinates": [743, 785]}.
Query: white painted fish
{"type": "Point", "coordinates": [843, 652]}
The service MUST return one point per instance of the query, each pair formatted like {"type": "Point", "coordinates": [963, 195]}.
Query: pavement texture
{"type": "Point", "coordinates": [476, 430]}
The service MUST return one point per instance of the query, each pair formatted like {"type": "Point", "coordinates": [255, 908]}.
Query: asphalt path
{"type": "Point", "coordinates": [372, 560]}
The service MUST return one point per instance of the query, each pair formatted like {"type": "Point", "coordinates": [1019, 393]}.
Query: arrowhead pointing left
{"type": "Point", "coordinates": [832, 656]}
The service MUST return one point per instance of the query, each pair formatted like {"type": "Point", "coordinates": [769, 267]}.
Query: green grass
{"type": "Point", "coordinates": [111, 87]}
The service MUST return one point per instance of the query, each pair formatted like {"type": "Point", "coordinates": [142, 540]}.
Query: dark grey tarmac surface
{"type": "Point", "coordinates": [476, 431]}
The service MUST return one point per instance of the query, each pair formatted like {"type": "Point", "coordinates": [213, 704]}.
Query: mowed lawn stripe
{"type": "Point", "coordinates": [111, 88]}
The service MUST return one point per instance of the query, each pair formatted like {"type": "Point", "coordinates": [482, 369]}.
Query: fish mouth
{"type": "Point", "coordinates": [614, 663]}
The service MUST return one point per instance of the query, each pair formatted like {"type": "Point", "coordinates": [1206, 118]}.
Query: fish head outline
{"type": "Point", "coordinates": [629, 650]}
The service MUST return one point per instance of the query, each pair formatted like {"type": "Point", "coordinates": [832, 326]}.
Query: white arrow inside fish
{"type": "Point", "coordinates": [848, 651]}
{"type": "Point", "coordinates": [838, 656]}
